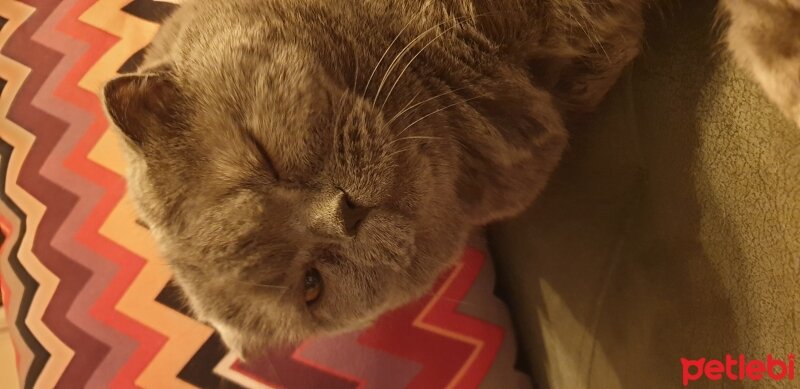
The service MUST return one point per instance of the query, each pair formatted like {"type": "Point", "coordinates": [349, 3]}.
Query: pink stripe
{"type": "Point", "coordinates": [376, 369]}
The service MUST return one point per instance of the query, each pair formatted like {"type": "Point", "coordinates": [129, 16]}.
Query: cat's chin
{"type": "Point", "coordinates": [249, 347]}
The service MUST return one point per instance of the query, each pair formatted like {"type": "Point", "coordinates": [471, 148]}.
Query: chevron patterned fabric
{"type": "Point", "coordinates": [90, 303]}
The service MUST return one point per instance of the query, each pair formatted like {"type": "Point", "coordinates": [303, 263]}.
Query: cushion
{"type": "Point", "coordinates": [89, 302]}
{"type": "Point", "coordinates": [671, 230]}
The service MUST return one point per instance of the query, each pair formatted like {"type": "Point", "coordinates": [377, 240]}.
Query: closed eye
{"type": "Point", "coordinates": [265, 158]}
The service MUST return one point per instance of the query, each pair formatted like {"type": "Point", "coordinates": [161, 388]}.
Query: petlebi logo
{"type": "Point", "coordinates": [738, 369]}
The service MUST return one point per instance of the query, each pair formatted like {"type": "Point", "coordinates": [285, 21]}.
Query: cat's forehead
{"type": "Point", "coordinates": [277, 93]}
{"type": "Point", "coordinates": [289, 91]}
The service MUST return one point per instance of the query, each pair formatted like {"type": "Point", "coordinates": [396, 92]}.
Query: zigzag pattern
{"type": "Point", "coordinates": [88, 295]}
{"type": "Point", "coordinates": [47, 351]}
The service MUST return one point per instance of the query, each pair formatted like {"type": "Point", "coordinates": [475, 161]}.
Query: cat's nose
{"type": "Point", "coordinates": [351, 215]}
{"type": "Point", "coordinates": [333, 215]}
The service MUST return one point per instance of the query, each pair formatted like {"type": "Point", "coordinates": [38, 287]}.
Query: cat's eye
{"type": "Point", "coordinates": [312, 284]}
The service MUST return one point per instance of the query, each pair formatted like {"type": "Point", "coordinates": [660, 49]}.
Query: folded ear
{"type": "Point", "coordinates": [143, 106]}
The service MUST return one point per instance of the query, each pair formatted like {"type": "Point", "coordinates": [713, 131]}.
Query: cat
{"type": "Point", "coordinates": [306, 165]}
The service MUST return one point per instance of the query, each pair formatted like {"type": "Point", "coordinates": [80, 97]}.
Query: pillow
{"type": "Point", "coordinates": [89, 302]}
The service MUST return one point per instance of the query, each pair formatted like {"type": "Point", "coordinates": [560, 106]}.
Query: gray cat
{"type": "Point", "coordinates": [306, 165]}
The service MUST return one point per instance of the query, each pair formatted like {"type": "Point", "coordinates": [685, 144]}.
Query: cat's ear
{"type": "Point", "coordinates": [143, 106]}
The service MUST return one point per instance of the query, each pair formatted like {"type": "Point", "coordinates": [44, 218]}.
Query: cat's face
{"type": "Point", "coordinates": [287, 203]}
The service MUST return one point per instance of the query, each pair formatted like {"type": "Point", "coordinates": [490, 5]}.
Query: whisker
{"type": "Point", "coordinates": [408, 24]}
{"type": "Point", "coordinates": [340, 109]}
{"type": "Point", "coordinates": [406, 107]}
{"type": "Point", "coordinates": [402, 72]}
{"type": "Point", "coordinates": [439, 110]}
{"type": "Point", "coordinates": [414, 137]}
{"type": "Point", "coordinates": [355, 76]}
{"type": "Point", "coordinates": [396, 116]}
{"type": "Point", "coordinates": [593, 40]}
{"type": "Point", "coordinates": [400, 151]}
{"type": "Point", "coordinates": [407, 48]}
{"type": "Point", "coordinates": [266, 286]}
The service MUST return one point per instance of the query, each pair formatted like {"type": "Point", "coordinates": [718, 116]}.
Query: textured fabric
{"type": "Point", "coordinates": [671, 230]}
{"type": "Point", "coordinates": [88, 299]}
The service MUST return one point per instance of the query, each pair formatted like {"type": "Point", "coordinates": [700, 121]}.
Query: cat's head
{"type": "Point", "coordinates": [287, 204]}
{"type": "Point", "coordinates": [298, 185]}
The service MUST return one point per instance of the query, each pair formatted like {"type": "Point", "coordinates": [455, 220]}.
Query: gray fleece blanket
{"type": "Point", "coordinates": [671, 230]}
